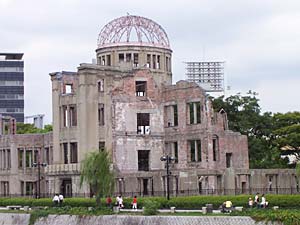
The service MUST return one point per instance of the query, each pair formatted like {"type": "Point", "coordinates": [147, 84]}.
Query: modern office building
{"type": "Point", "coordinates": [208, 75]}
{"type": "Point", "coordinates": [12, 85]}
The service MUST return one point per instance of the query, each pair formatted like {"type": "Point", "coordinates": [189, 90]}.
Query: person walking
{"type": "Point", "coordinates": [256, 200]}
{"type": "Point", "coordinates": [134, 204]}
{"type": "Point", "coordinates": [108, 201]}
{"type": "Point", "coordinates": [121, 202]}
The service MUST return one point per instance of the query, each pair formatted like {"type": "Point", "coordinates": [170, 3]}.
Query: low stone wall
{"type": "Point", "coordinates": [149, 220]}
{"type": "Point", "coordinates": [23, 219]}
{"type": "Point", "coordinates": [14, 219]}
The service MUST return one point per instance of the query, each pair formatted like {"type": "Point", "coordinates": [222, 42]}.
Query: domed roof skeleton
{"type": "Point", "coordinates": [148, 33]}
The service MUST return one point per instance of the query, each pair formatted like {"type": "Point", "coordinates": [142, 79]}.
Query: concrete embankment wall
{"type": "Point", "coordinates": [23, 219]}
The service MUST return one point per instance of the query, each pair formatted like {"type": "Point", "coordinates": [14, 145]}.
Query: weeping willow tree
{"type": "Point", "coordinates": [95, 170]}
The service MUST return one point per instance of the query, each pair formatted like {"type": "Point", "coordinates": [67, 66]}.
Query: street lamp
{"type": "Point", "coordinates": [167, 159]}
{"type": "Point", "coordinates": [38, 165]}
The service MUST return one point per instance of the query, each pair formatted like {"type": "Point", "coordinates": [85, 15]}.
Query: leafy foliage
{"type": "Point", "coordinates": [95, 170]}
{"type": "Point", "coordinates": [26, 128]}
{"type": "Point", "coordinates": [267, 133]}
{"type": "Point", "coordinates": [151, 207]}
{"type": "Point", "coordinates": [287, 217]}
{"type": "Point", "coordinates": [287, 133]}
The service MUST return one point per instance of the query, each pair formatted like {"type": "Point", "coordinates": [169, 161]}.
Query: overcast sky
{"type": "Point", "coordinates": [258, 39]}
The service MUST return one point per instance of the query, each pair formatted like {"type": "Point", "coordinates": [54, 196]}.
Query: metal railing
{"type": "Point", "coordinates": [174, 193]}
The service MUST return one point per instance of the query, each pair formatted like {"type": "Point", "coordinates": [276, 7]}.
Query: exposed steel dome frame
{"type": "Point", "coordinates": [120, 31]}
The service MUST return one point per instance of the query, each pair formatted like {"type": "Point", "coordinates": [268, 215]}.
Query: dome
{"type": "Point", "coordinates": [133, 30]}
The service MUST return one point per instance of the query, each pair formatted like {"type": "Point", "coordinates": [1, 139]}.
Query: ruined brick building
{"type": "Point", "coordinates": [126, 103]}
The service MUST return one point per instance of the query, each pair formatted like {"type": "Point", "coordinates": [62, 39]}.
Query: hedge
{"type": "Point", "coordinates": [191, 202]}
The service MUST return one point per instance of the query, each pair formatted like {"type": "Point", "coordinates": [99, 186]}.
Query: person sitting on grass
{"type": "Point", "coordinates": [250, 203]}
{"type": "Point", "coordinates": [61, 199]}
{"type": "Point", "coordinates": [226, 206]}
{"type": "Point", "coordinates": [264, 202]}
{"type": "Point", "coordinates": [55, 200]}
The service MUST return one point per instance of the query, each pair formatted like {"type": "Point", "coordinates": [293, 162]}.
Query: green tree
{"type": "Point", "coordinates": [287, 133]}
{"type": "Point", "coordinates": [245, 116]}
{"type": "Point", "coordinates": [95, 170]}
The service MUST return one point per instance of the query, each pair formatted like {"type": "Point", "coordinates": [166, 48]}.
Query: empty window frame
{"type": "Point", "coordinates": [135, 59]}
{"type": "Point", "coordinates": [228, 160]}
{"type": "Point", "coordinates": [20, 157]}
{"type": "Point", "coordinates": [195, 150]}
{"type": "Point", "coordinates": [73, 115]}
{"type": "Point", "coordinates": [128, 57]}
{"type": "Point", "coordinates": [8, 159]}
{"type": "Point", "coordinates": [108, 60]}
{"type": "Point", "coordinates": [143, 160]}
{"type": "Point", "coordinates": [143, 123]}
{"type": "Point", "coordinates": [65, 116]}
{"type": "Point", "coordinates": [148, 62]}
{"type": "Point", "coordinates": [121, 57]}
{"type": "Point", "coordinates": [47, 155]}
{"type": "Point", "coordinates": [100, 84]}
{"type": "Point", "coordinates": [68, 88]}
{"type": "Point", "coordinates": [171, 115]}
{"type": "Point", "coordinates": [168, 64]}
{"type": "Point", "coordinates": [215, 143]}
{"type": "Point", "coordinates": [140, 88]}
{"type": "Point", "coordinates": [154, 61]}
{"type": "Point", "coordinates": [101, 114]}
{"type": "Point", "coordinates": [103, 60]}
{"type": "Point", "coordinates": [158, 62]}
{"type": "Point", "coordinates": [65, 152]}
{"type": "Point", "coordinates": [4, 188]}
{"type": "Point", "coordinates": [194, 109]}
{"type": "Point", "coordinates": [101, 146]}
{"type": "Point", "coordinates": [73, 152]}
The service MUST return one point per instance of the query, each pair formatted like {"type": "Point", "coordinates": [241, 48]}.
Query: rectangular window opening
{"type": "Point", "coordinates": [108, 60]}
{"type": "Point", "coordinates": [175, 115]}
{"type": "Point", "coordinates": [148, 64]}
{"type": "Point", "coordinates": [199, 154]}
{"type": "Point", "coordinates": [135, 59]}
{"type": "Point", "coordinates": [73, 152]}
{"type": "Point", "coordinates": [154, 61]}
{"type": "Point", "coordinates": [101, 146]}
{"type": "Point", "coordinates": [228, 160]}
{"type": "Point", "coordinates": [73, 115]}
{"type": "Point", "coordinates": [176, 152]}
{"type": "Point", "coordinates": [140, 88]}
{"type": "Point", "coordinates": [143, 123]}
{"type": "Point", "coordinates": [121, 57]}
{"type": "Point", "coordinates": [20, 157]}
{"type": "Point", "coordinates": [65, 151]}
{"type": "Point", "coordinates": [143, 160]}
{"type": "Point", "coordinates": [100, 85]}
{"type": "Point", "coordinates": [128, 57]}
{"type": "Point", "coordinates": [215, 149]}
{"type": "Point", "coordinates": [158, 62]}
{"type": "Point", "coordinates": [103, 60]}
{"type": "Point", "coordinates": [192, 151]}
{"type": "Point", "coordinates": [101, 114]}
{"type": "Point", "coordinates": [68, 88]}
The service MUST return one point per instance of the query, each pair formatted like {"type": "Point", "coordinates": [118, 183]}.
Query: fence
{"type": "Point", "coordinates": [174, 193]}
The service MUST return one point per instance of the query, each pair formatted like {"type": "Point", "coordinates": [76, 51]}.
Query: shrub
{"type": "Point", "coordinates": [190, 202]}
{"type": "Point", "coordinates": [151, 207]}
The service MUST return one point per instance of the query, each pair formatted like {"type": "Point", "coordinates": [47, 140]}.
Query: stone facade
{"type": "Point", "coordinates": [126, 104]}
